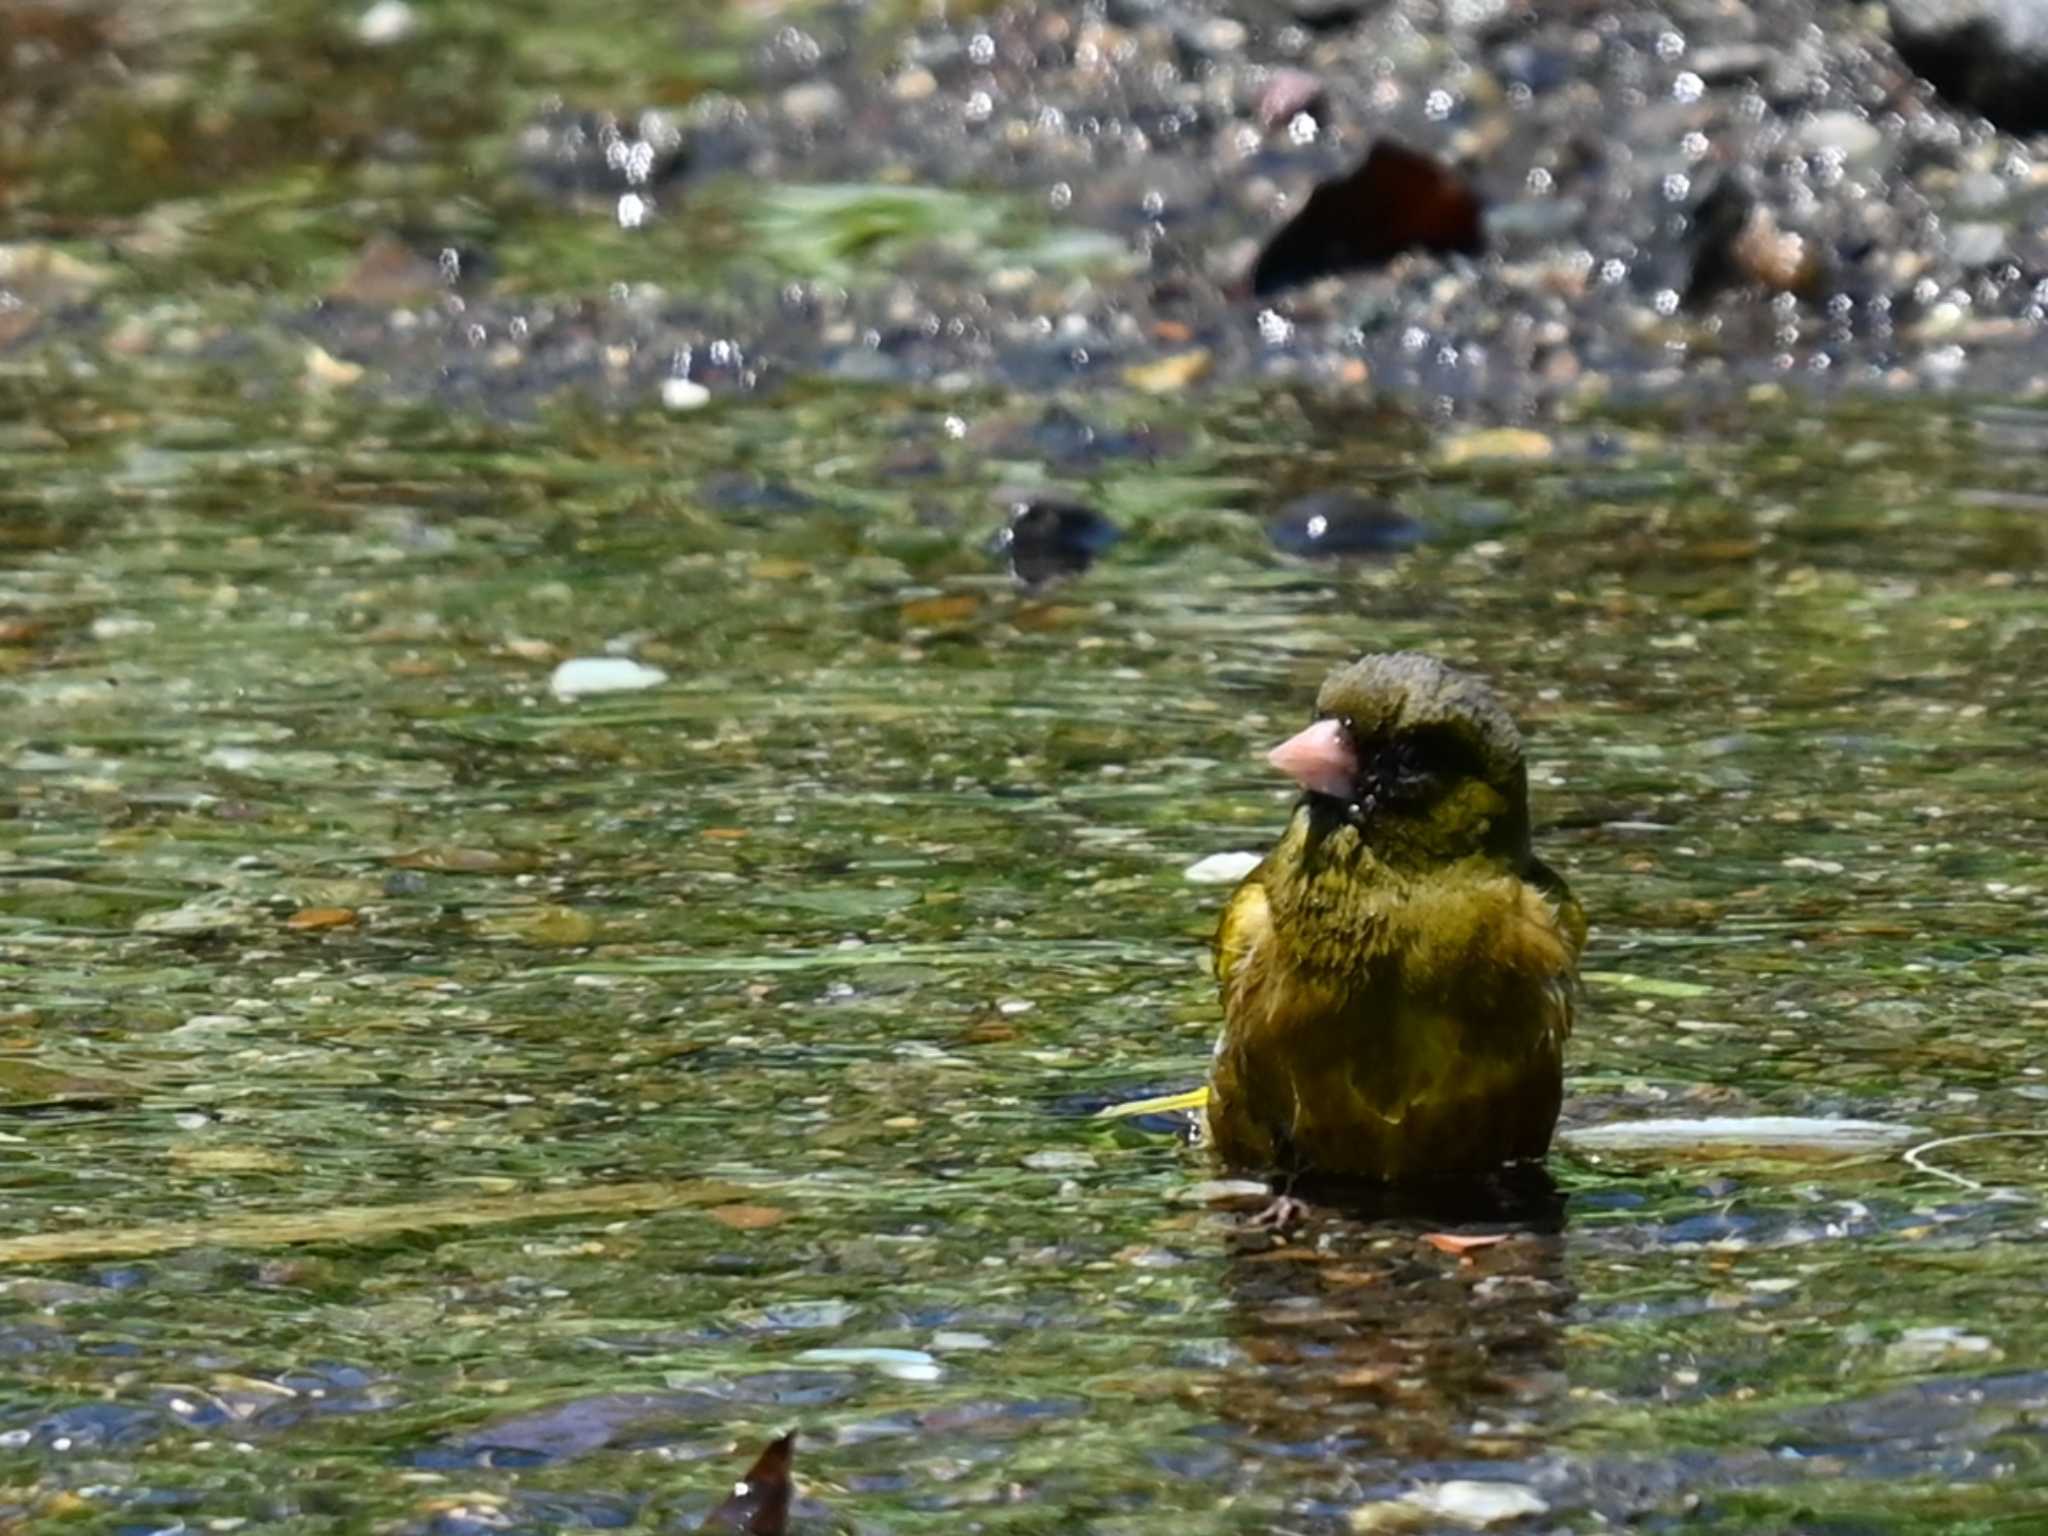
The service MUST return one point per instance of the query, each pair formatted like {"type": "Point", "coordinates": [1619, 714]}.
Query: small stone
{"type": "Point", "coordinates": [1221, 868]}
{"type": "Point", "coordinates": [1048, 537]}
{"type": "Point", "coordinates": [1976, 244]}
{"type": "Point", "coordinates": [813, 103]}
{"type": "Point", "coordinates": [603, 674]}
{"type": "Point", "coordinates": [388, 21]}
{"type": "Point", "coordinates": [684, 394]}
{"type": "Point", "coordinates": [1059, 1162]}
{"type": "Point", "coordinates": [1469, 1502]}
{"type": "Point", "coordinates": [326, 371]}
{"type": "Point", "coordinates": [1926, 1349]}
{"type": "Point", "coordinates": [915, 84]}
{"type": "Point", "coordinates": [1850, 134]}
{"type": "Point", "coordinates": [1325, 524]}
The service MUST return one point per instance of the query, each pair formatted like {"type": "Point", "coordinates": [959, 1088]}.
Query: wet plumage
{"type": "Point", "coordinates": [1399, 974]}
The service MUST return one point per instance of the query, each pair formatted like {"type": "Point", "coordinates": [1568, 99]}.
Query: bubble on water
{"type": "Point", "coordinates": [1670, 46]}
{"type": "Point", "coordinates": [1437, 105]}
{"type": "Point", "coordinates": [1302, 129]}
{"type": "Point", "coordinates": [1677, 187]}
{"type": "Point", "coordinates": [979, 108]}
{"type": "Point", "coordinates": [1275, 329]}
{"type": "Point", "coordinates": [633, 210]}
{"type": "Point", "coordinates": [1665, 302]}
{"type": "Point", "coordinates": [954, 427]}
{"type": "Point", "coordinates": [1153, 203]}
{"type": "Point", "coordinates": [1060, 196]}
{"type": "Point", "coordinates": [1613, 270]}
{"type": "Point", "coordinates": [1414, 339]}
{"type": "Point", "coordinates": [1695, 145]}
{"type": "Point", "coordinates": [1687, 87]}
{"type": "Point", "coordinates": [981, 49]}
{"type": "Point", "coordinates": [1539, 181]}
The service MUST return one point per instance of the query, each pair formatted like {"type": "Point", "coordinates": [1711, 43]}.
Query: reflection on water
{"type": "Point", "coordinates": [442, 1103]}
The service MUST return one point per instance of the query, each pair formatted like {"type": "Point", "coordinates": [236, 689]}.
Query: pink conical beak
{"type": "Point", "coordinates": [1319, 759]}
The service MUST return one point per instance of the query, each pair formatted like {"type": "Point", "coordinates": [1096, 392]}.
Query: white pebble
{"type": "Point", "coordinates": [1221, 868]}
{"type": "Point", "coordinates": [684, 394]}
{"type": "Point", "coordinates": [1470, 1502]}
{"type": "Point", "coordinates": [1059, 1162]}
{"type": "Point", "coordinates": [603, 674]}
{"type": "Point", "coordinates": [388, 21]}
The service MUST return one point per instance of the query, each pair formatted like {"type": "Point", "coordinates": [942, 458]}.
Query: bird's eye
{"type": "Point", "coordinates": [1417, 765]}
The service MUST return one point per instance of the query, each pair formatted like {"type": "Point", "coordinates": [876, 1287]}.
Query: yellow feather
{"type": "Point", "coordinates": [1194, 1098]}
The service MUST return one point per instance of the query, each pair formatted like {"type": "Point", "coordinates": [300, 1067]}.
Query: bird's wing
{"type": "Point", "coordinates": [1246, 921]}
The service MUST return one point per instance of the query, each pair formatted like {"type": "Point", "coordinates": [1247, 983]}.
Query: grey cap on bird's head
{"type": "Point", "coordinates": [1405, 695]}
{"type": "Point", "coordinates": [1404, 690]}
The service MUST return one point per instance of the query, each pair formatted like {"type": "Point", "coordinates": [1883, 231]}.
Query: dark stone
{"type": "Point", "coordinates": [1990, 56]}
{"type": "Point", "coordinates": [1326, 524]}
{"type": "Point", "coordinates": [1396, 200]}
{"type": "Point", "coordinates": [1048, 538]}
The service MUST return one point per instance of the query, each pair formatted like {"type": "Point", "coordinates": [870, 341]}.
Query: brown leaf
{"type": "Point", "coordinates": [748, 1218]}
{"type": "Point", "coordinates": [1460, 1246]}
{"type": "Point", "coordinates": [1397, 200]}
{"type": "Point", "coordinates": [313, 919]}
{"type": "Point", "coordinates": [759, 1502]}
{"type": "Point", "coordinates": [925, 612]}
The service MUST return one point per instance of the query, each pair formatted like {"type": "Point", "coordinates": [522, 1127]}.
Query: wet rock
{"type": "Point", "coordinates": [389, 274]}
{"type": "Point", "coordinates": [1928, 1349]}
{"type": "Point", "coordinates": [1737, 242]}
{"type": "Point", "coordinates": [1990, 56]}
{"type": "Point", "coordinates": [1327, 524]}
{"type": "Point", "coordinates": [1289, 94]}
{"type": "Point", "coordinates": [1046, 539]}
{"type": "Point", "coordinates": [1396, 200]}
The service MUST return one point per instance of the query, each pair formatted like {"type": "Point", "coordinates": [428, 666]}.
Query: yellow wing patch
{"type": "Point", "coordinates": [1246, 922]}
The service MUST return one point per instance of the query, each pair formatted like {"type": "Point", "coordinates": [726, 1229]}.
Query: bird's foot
{"type": "Point", "coordinates": [1281, 1213]}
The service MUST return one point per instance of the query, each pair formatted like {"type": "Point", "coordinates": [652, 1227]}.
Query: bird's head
{"type": "Point", "coordinates": [1419, 758]}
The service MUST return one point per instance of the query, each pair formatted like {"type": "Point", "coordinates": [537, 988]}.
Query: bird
{"type": "Point", "coordinates": [1399, 974]}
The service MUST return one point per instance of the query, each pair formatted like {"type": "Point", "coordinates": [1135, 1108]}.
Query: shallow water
{"type": "Point", "coordinates": [429, 1104]}
{"type": "Point", "coordinates": [759, 1013]}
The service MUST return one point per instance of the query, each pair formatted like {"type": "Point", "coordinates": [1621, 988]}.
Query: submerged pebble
{"type": "Point", "coordinates": [1328, 524]}
{"type": "Point", "coordinates": [603, 674]}
{"type": "Point", "coordinates": [1047, 538]}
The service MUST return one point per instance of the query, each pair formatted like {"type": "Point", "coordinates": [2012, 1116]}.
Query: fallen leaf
{"type": "Point", "coordinates": [748, 1218]}
{"type": "Point", "coordinates": [313, 919]}
{"type": "Point", "coordinates": [1396, 200]}
{"type": "Point", "coordinates": [1516, 443]}
{"type": "Point", "coordinates": [1169, 375]}
{"type": "Point", "coordinates": [1453, 1243]}
{"type": "Point", "coordinates": [759, 1502]}
{"type": "Point", "coordinates": [923, 611]}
